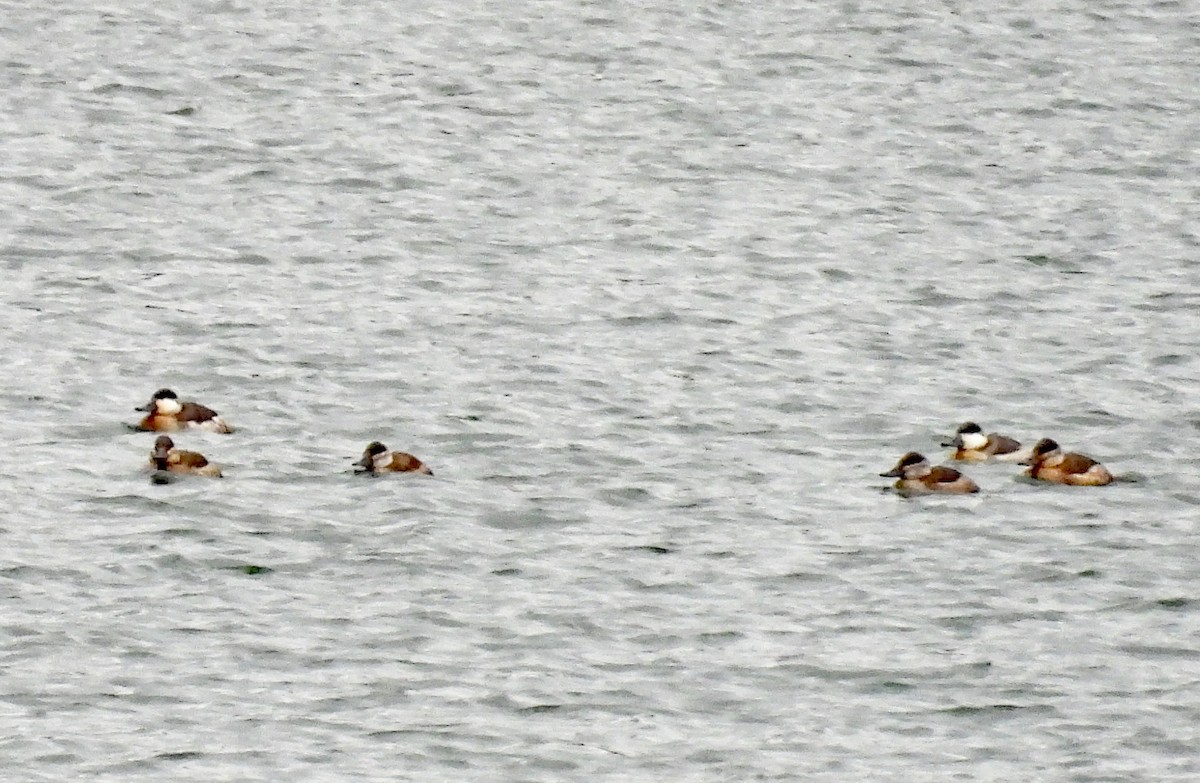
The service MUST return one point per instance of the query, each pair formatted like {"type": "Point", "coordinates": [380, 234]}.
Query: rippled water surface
{"type": "Point", "coordinates": [657, 290]}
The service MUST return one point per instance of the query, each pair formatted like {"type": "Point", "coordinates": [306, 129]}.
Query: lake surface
{"type": "Point", "coordinates": [657, 291]}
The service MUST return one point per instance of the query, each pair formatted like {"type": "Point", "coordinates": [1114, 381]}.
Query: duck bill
{"type": "Point", "coordinates": [956, 443]}
{"type": "Point", "coordinates": [145, 408]}
{"type": "Point", "coordinates": [893, 473]}
{"type": "Point", "coordinates": [366, 463]}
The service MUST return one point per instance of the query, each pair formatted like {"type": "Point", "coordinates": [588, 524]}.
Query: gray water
{"type": "Point", "coordinates": [657, 291]}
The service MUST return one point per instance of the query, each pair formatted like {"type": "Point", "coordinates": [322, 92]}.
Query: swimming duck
{"type": "Point", "coordinates": [971, 445]}
{"type": "Point", "coordinates": [377, 458]}
{"type": "Point", "coordinates": [1048, 462]}
{"type": "Point", "coordinates": [917, 476]}
{"type": "Point", "coordinates": [167, 413]}
{"type": "Point", "coordinates": [165, 457]}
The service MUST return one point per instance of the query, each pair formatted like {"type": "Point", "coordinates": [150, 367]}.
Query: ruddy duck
{"type": "Point", "coordinates": [971, 445]}
{"type": "Point", "coordinates": [166, 413]}
{"type": "Point", "coordinates": [377, 458]}
{"type": "Point", "coordinates": [918, 476]}
{"type": "Point", "coordinates": [166, 457]}
{"type": "Point", "coordinates": [1049, 463]}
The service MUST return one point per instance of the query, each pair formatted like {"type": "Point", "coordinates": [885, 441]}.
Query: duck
{"type": "Point", "coordinates": [1048, 462]}
{"type": "Point", "coordinates": [167, 413]}
{"type": "Point", "coordinates": [971, 445]}
{"type": "Point", "coordinates": [165, 457]}
{"type": "Point", "coordinates": [377, 458]}
{"type": "Point", "coordinates": [917, 476]}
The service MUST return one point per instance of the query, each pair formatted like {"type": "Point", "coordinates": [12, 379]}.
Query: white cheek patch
{"type": "Point", "coordinates": [382, 460]}
{"type": "Point", "coordinates": [168, 406]}
{"type": "Point", "coordinates": [973, 440]}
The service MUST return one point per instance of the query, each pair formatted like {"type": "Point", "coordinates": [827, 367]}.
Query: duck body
{"type": "Point", "coordinates": [1048, 462]}
{"type": "Point", "coordinates": [167, 413]}
{"type": "Point", "coordinates": [378, 458]}
{"type": "Point", "coordinates": [166, 458]}
{"type": "Point", "coordinates": [916, 476]}
{"type": "Point", "coordinates": [972, 445]}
